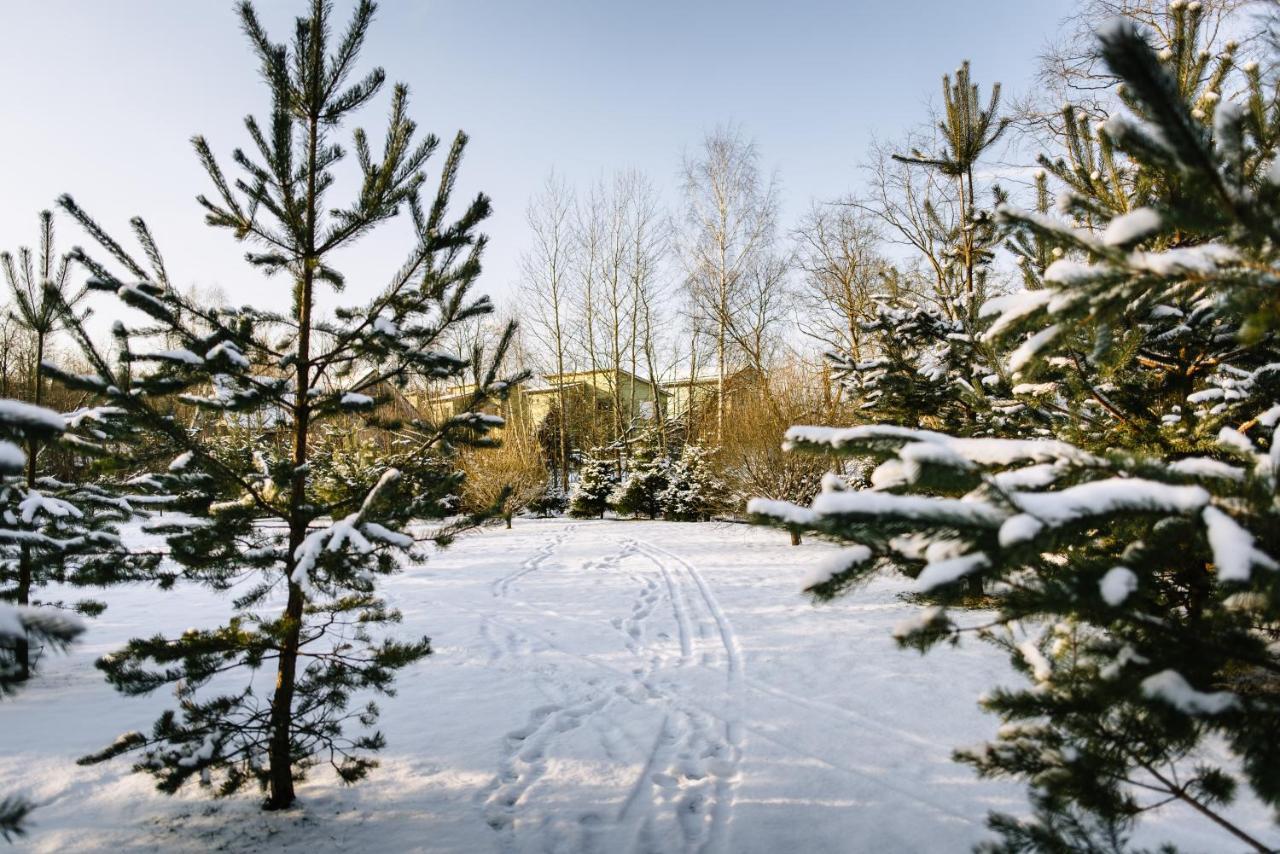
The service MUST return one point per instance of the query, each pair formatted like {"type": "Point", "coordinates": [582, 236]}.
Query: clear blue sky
{"type": "Point", "coordinates": [102, 97]}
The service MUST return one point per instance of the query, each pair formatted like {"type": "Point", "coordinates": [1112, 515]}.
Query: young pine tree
{"type": "Point", "coordinates": [1134, 570]}
{"type": "Point", "coordinates": [967, 130]}
{"type": "Point", "coordinates": [67, 529]}
{"type": "Point", "coordinates": [597, 478]}
{"type": "Point", "coordinates": [266, 696]}
{"type": "Point", "coordinates": [553, 501]}
{"type": "Point", "coordinates": [22, 424]}
{"type": "Point", "coordinates": [641, 491]}
{"type": "Point", "coordinates": [693, 491]}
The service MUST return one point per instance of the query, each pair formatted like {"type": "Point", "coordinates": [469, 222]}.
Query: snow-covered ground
{"type": "Point", "coordinates": [597, 686]}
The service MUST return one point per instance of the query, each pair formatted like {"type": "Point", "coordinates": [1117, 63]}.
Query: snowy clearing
{"type": "Point", "coordinates": [597, 686]}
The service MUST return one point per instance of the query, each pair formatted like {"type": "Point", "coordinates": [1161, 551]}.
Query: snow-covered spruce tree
{"type": "Point", "coordinates": [925, 370]}
{"type": "Point", "coordinates": [553, 501]}
{"type": "Point", "coordinates": [305, 570]}
{"type": "Point", "coordinates": [693, 491]}
{"type": "Point", "coordinates": [597, 478]}
{"type": "Point", "coordinates": [1135, 571]}
{"type": "Point", "coordinates": [644, 483]}
{"type": "Point", "coordinates": [23, 424]}
{"type": "Point", "coordinates": [68, 529]}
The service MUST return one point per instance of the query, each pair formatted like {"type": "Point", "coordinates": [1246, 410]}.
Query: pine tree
{"type": "Point", "coordinates": [643, 484]}
{"type": "Point", "coordinates": [1135, 569]}
{"type": "Point", "coordinates": [597, 478]}
{"type": "Point", "coordinates": [69, 528]}
{"type": "Point", "coordinates": [23, 424]}
{"type": "Point", "coordinates": [968, 131]}
{"type": "Point", "coordinates": [923, 370]}
{"type": "Point", "coordinates": [553, 501]}
{"type": "Point", "coordinates": [693, 491]}
{"type": "Point", "coordinates": [290, 373]}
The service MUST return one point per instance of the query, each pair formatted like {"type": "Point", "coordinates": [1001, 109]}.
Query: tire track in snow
{"type": "Point", "coordinates": [862, 719]}
{"type": "Point", "coordinates": [680, 609]}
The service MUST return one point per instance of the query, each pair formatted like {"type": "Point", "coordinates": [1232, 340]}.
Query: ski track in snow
{"type": "Point", "coordinates": [682, 796]}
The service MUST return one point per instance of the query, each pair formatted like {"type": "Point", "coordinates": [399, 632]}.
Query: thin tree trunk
{"type": "Point", "coordinates": [691, 403]}
{"type": "Point", "coordinates": [616, 373]}
{"type": "Point", "coordinates": [651, 359]}
{"type": "Point", "coordinates": [720, 367]}
{"type": "Point", "coordinates": [22, 648]}
{"type": "Point", "coordinates": [592, 357]}
{"type": "Point", "coordinates": [564, 411]}
{"type": "Point", "coordinates": [280, 757]}
{"type": "Point", "coordinates": [966, 220]}
{"type": "Point", "coordinates": [631, 385]}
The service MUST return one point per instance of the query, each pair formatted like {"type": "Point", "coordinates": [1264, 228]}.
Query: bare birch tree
{"type": "Point", "coordinates": [615, 300]}
{"type": "Point", "coordinates": [647, 230]}
{"type": "Point", "coordinates": [545, 282]}
{"type": "Point", "coordinates": [730, 226]}
{"type": "Point", "coordinates": [837, 250]}
{"type": "Point", "coordinates": [590, 227]}
{"type": "Point", "coordinates": [916, 209]}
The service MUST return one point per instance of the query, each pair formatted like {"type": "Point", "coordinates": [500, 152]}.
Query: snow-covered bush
{"type": "Point", "coordinates": [553, 501]}
{"type": "Point", "coordinates": [644, 484]}
{"type": "Point", "coordinates": [1134, 569]}
{"type": "Point", "coordinates": [693, 490]}
{"type": "Point", "coordinates": [597, 477]}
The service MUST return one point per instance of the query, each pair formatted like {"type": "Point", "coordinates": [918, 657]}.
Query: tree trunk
{"type": "Point", "coordinates": [795, 538]}
{"type": "Point", "coordinates": [564, 416]}
{"type": "Point", "coordinates": [974, 585]}
{"type": "Point", "coordinates": [22, 648]}
{"type": "Point", "coordinates": [659, 412]}
{"type": "Point", "coordinates": [592, 359]}
{"type": "Point", "coordinates": [280, 758]}
{"type": "Point", "coordinates": [720, 359]}
{"type": "Point", "coordinates": [966, 221]}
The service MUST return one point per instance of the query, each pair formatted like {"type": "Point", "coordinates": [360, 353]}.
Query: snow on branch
{"type": "Point", "coordinates": [835, 564]}
{"type": "Point", "coordinates": [1108, 497]}
{"type": "Point", "coordinates": [1233, 550]}
{"type": "Point", "coordinates": [979, 451]}
{"type": "Point", "coordinates": [938, 512]}
{"type": "Point", "coordinates": [351, 531]}
{"type": "Point", "coordinates": [1171, 687]}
